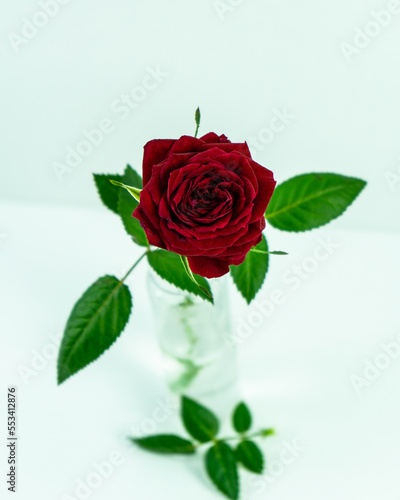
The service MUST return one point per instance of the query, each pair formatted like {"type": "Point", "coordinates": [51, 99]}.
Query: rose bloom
{"type": "Point", "coordinates": [204, 199]}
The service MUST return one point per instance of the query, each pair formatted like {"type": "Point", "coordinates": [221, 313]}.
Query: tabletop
{"type": "Point", "coordinates": [321, 366]}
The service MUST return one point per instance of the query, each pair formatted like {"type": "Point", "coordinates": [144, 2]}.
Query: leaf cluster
{"type": "Point", "coordinates": [221, 459]}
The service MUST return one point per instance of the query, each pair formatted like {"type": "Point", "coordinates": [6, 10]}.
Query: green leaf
{"type": "Point", "coordinates": [241, 418]}
{"type": "Point", "coordinates": [311, 200]}
{"type": "Point", "coordinates": [134, 179]}
{"type": "Point", "coordinates": [168, 265]}
{"type": "Point", "coordinates": [108, 194]}
{"type": "Point", "coordinates": [189, 272]}
{"type": "Point", "coordinates": [126, 206]}
{"type": "Point", "coordinates": [249, 276]}
{"type": "Point", "coordinates": [96, 321]}
{"type": "Point", "coordinates": [199, 421]}
{"type": "Point", "coordinates": [221, 467]}
{"type": "Point", "coordinates": [249, 455]}
{"type": "Point", "coordinates": [166, 443]}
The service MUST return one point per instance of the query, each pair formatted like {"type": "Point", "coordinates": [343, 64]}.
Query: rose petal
{"type": "Point", "coordinates": [208, 267]}
{"type": "Point", "coordinates": [186, 144]}
{"type": "Point", "coordinates": [152, 233]}
{"type": "Point", "coordinates": [266, 186]}
{"type": "Point", "coordinates": [155, 152]}
{"type": "Point", "coordinates": [227, 147]}
{"type": "Point", "coordinates": [211, 137]}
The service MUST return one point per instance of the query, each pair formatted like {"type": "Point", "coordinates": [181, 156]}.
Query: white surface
{"type": "Point", "coordinates": [261, 56]}
{"type": "Point", "coordinates": [295, 368]}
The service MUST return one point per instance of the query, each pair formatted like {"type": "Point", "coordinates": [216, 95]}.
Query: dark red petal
{"type": "Point", "coordinates": [240, 165]}
{"type": "Point", "coordinates": [174, 162]}
{"type": "Point", "coordinates": [207, 154]}
{"type": "Point", "coordinates": [228, 147]}
{"type": "Point", "coordinates": [175, 241]}
{"type": "Point", "coordinates": [236, 166]}
{"type": "Point", "coordinates": [211, 137]}
{"type": "Point", "coordinates": [247, 241]}
{"type": "Point", "coordinates": [183, 239]}
{"type": "Point", "coordinates": [208, 267]}
{"type": "Point", "coordinates": [164, 208]}
{"type": "Point", "coordinates": [266, 186]}
{"type": "Point", "coordinates": [187, 144]}
{"type": "Point", "coordinates": [175, 180]}
{"type": "Point", "coordinates": [152, 233]}
{"type": "Point", "coordinates": [149, 206]}
{"type": "Point", "coordinates": [155, 152]}
{"type": "Point", "coordinates": [236, 260]}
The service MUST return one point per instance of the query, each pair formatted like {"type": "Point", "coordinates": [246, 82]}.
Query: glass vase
{"type": "Point", "coordinates": [192, 334]}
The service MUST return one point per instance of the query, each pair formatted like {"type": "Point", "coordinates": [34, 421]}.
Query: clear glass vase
{"type": "Point", "coordinates": [192, 333]}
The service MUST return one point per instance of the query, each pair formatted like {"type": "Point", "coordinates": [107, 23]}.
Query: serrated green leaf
{"type": "Point", "coordinates": [250, 455]}
{"type": "Point", "coordinates": [133, 178]}
{"type": "Point", "coordinates": [249, 276]}
{"type": "Point", "coordinates": [95, 322]}
{"type": "Point", "coordinates": [241, 418]}
{"type": "Point", "coordinates": [168, 265]}
{"type": "Point", "coordinates": [108, 194]}
{"type": "Point", "coordinates": [309, 201]}
{"type": "Point", "coordinates": [126, 206]}
{"type": "Point", "coordinates": [221, 467]}
{"type": "Point", "coordinates": [199, 421]}
{"type": "Point", "coordinates": [166, 443]}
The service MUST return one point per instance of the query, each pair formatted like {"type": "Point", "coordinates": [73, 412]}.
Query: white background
{"type": "Point", "coordinates": [242, 65]}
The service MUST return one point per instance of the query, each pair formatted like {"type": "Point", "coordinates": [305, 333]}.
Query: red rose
{"type": "Point", "coordinates": [204, 199]}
